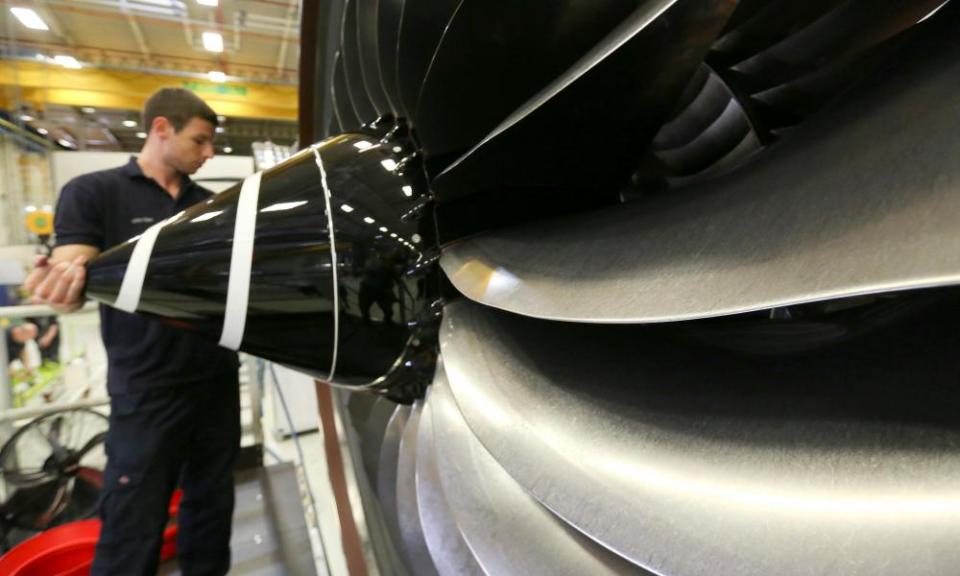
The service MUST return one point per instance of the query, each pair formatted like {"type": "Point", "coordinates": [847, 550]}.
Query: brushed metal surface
{"type": "Point", "coordinates": [861, 199]}
{"type": "Point", "coordinates": [508, 531]}
{"type": "Point", "coordinates": [692, 461]}
{"type": "Point", "coordinates": [408, 510]}
{"type": "Point", "coordinates": [387, 469]}
{"type": "Point", "coordinates": [450, 554]}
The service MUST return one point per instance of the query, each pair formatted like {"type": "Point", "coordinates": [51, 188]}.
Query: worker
{"type": "Point", "coordinates": [174, 398]}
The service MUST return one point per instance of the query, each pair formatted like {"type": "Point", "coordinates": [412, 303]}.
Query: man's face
{"type": "Point", "coordinates": [188, 149]}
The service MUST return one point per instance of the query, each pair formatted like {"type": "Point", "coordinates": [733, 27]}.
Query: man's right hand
{"type": "Point", "coordinates": [58, 283]}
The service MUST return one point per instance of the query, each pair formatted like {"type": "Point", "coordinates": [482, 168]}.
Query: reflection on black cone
{"type": "Point", "coordinates": [282, 265]}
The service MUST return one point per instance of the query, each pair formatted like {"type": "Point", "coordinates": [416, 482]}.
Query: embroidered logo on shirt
{"type": "Point", "coordinates": [142, 220]}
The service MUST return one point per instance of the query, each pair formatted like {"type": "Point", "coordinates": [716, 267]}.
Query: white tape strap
{"type": "Point", "coordinates": [241, 260]}
{"type": "Point", "coordinates": [130, 289]}
{"type": "Point", "coordinates": [333, 265]}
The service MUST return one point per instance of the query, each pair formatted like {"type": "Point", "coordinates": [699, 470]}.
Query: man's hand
{"type": "Point", "coordinates": [60, 280]}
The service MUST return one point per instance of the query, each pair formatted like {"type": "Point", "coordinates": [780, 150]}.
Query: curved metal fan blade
{"type": "Point", "coordinates": [343, 108]}
{"type": "Point", "coordinates": [497, 54]}
{"type": "Point", "coordinates": [721, 134]}
{"type": "Point", "coordinates": [353, 71]}
{"type": "Point", "coordinates": [408, 509]}
{"type": "Point", "coordinates": [508, 531]}
{"type": "Point", "coordinates": [421, 28]}
{"type": "Point", "coordinates": [700, 104]}
{"type": "Point", "coordinates": [449, 552]}
{"type": "Point", "coordinates": [751, 31]}
{"type": "Point", "coordinates": [698, 461]}
{"type": "Point", "coordinates": [387, 468]}
{"type": "Point", "coordinates": [852, 27]}
{"type": "Point", "coordinates": [368, 39]}
{"type": "Point", "coordinates": [388, 30]}
{"type": "Point", "coordinates": [860, 200]}
{"type": "Point", "coordinates": [595, 119]}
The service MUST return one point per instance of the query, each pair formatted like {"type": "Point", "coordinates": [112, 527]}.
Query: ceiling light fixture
{"type": "Point", "coordinates": [42, 131]}
{"type": "Point", "coordinates": [29, 18]}
{"type": "Point", "coordinates": [216, 76]}
{"type": "Point", "coordinates": [67, 61]}
{"type": "Point", "coordinates": [130, 123]}
{"type": "Point", "coordinates": [213, 41]}
{"type": "Point", "coordinates": [141, 135]}
{"type": "Point", "coordinates": [212, 3]}
{"type": "Point", "coordinates": [227, 149]}
{"type": "Point", "coordinates": [26, 118]}
{"type": "Point", "coordinates": [88, 110]}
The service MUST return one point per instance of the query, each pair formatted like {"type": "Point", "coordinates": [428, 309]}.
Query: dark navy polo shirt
{"type": "Point", "coordinates": [103, 209]}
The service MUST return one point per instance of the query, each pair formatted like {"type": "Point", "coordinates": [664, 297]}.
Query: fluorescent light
{"type": "Point", "coordinates": [346, 208]}
{"type": "Point", "coordinates": [130, 123]}
{"type": "Point", "coordinates": [227, 149]}
{"type": "Point", "coordinates": [208, 2]}
{"type": "Point", "coordinates": [368, 220]}
{"type": "Point", "coordinates": [66, 61]}
{"type": "Point", "coordinates": [30, 208]}
{"type": "Point", "coordinates": [213, 41]}
{"type": "Point", "coordinates": [389, 164]}
{"type": "Point", "coordinates": [29, 18]}
{"type": "Point", "coordinates": [383, 228]}
{"type": "Point", "coordinates": [280, 206]}
{"type": "Point", "coordinates": [362, 144]}
{"type": "Point", "coordinates": [407, 191]}
{"type": "Point", "coordinates": [141, 135]}
{"type": "Point", "coordinates": [216, 76]}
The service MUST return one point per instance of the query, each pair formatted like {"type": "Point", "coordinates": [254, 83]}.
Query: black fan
{"type": "Point", "coordinates": [52, 471]}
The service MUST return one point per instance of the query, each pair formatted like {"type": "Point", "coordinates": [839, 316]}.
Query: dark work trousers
{"type": "Point", "coordinates": [159, 439]}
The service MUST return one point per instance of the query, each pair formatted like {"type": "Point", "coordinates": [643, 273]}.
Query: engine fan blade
{"type": "Point", "coordinates": [353, 71]}
{"type": "Point", "coordinates": [497, 54]}
{"type": "Point", "coordinates": [860, 200]}
{"type": "Point", "coordinates": [587, 128]}
{"type": "Point", "coordinates": [343, 108]}
{"type": "Point", "coordinates": [408, 508]}
{"type": "Point", "coordinates": [388, 31]}
{"type": "Point", "coordinates": [449, 552]}
{"type": "Point", "coordinates": [698, 461]}
{"type": "Point", "coordinates": [368, 40]}
{"type": "Point", "coordinates": [421, 28]}
{"type": "Point", "coordinates": [507, 530]}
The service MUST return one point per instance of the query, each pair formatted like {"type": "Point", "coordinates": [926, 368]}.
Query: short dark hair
{"type": "Point", "coordinates": [179, 106]}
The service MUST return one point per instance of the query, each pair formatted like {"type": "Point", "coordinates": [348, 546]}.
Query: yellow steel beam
{"type": "Point", "coordinates": [40, 84]}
